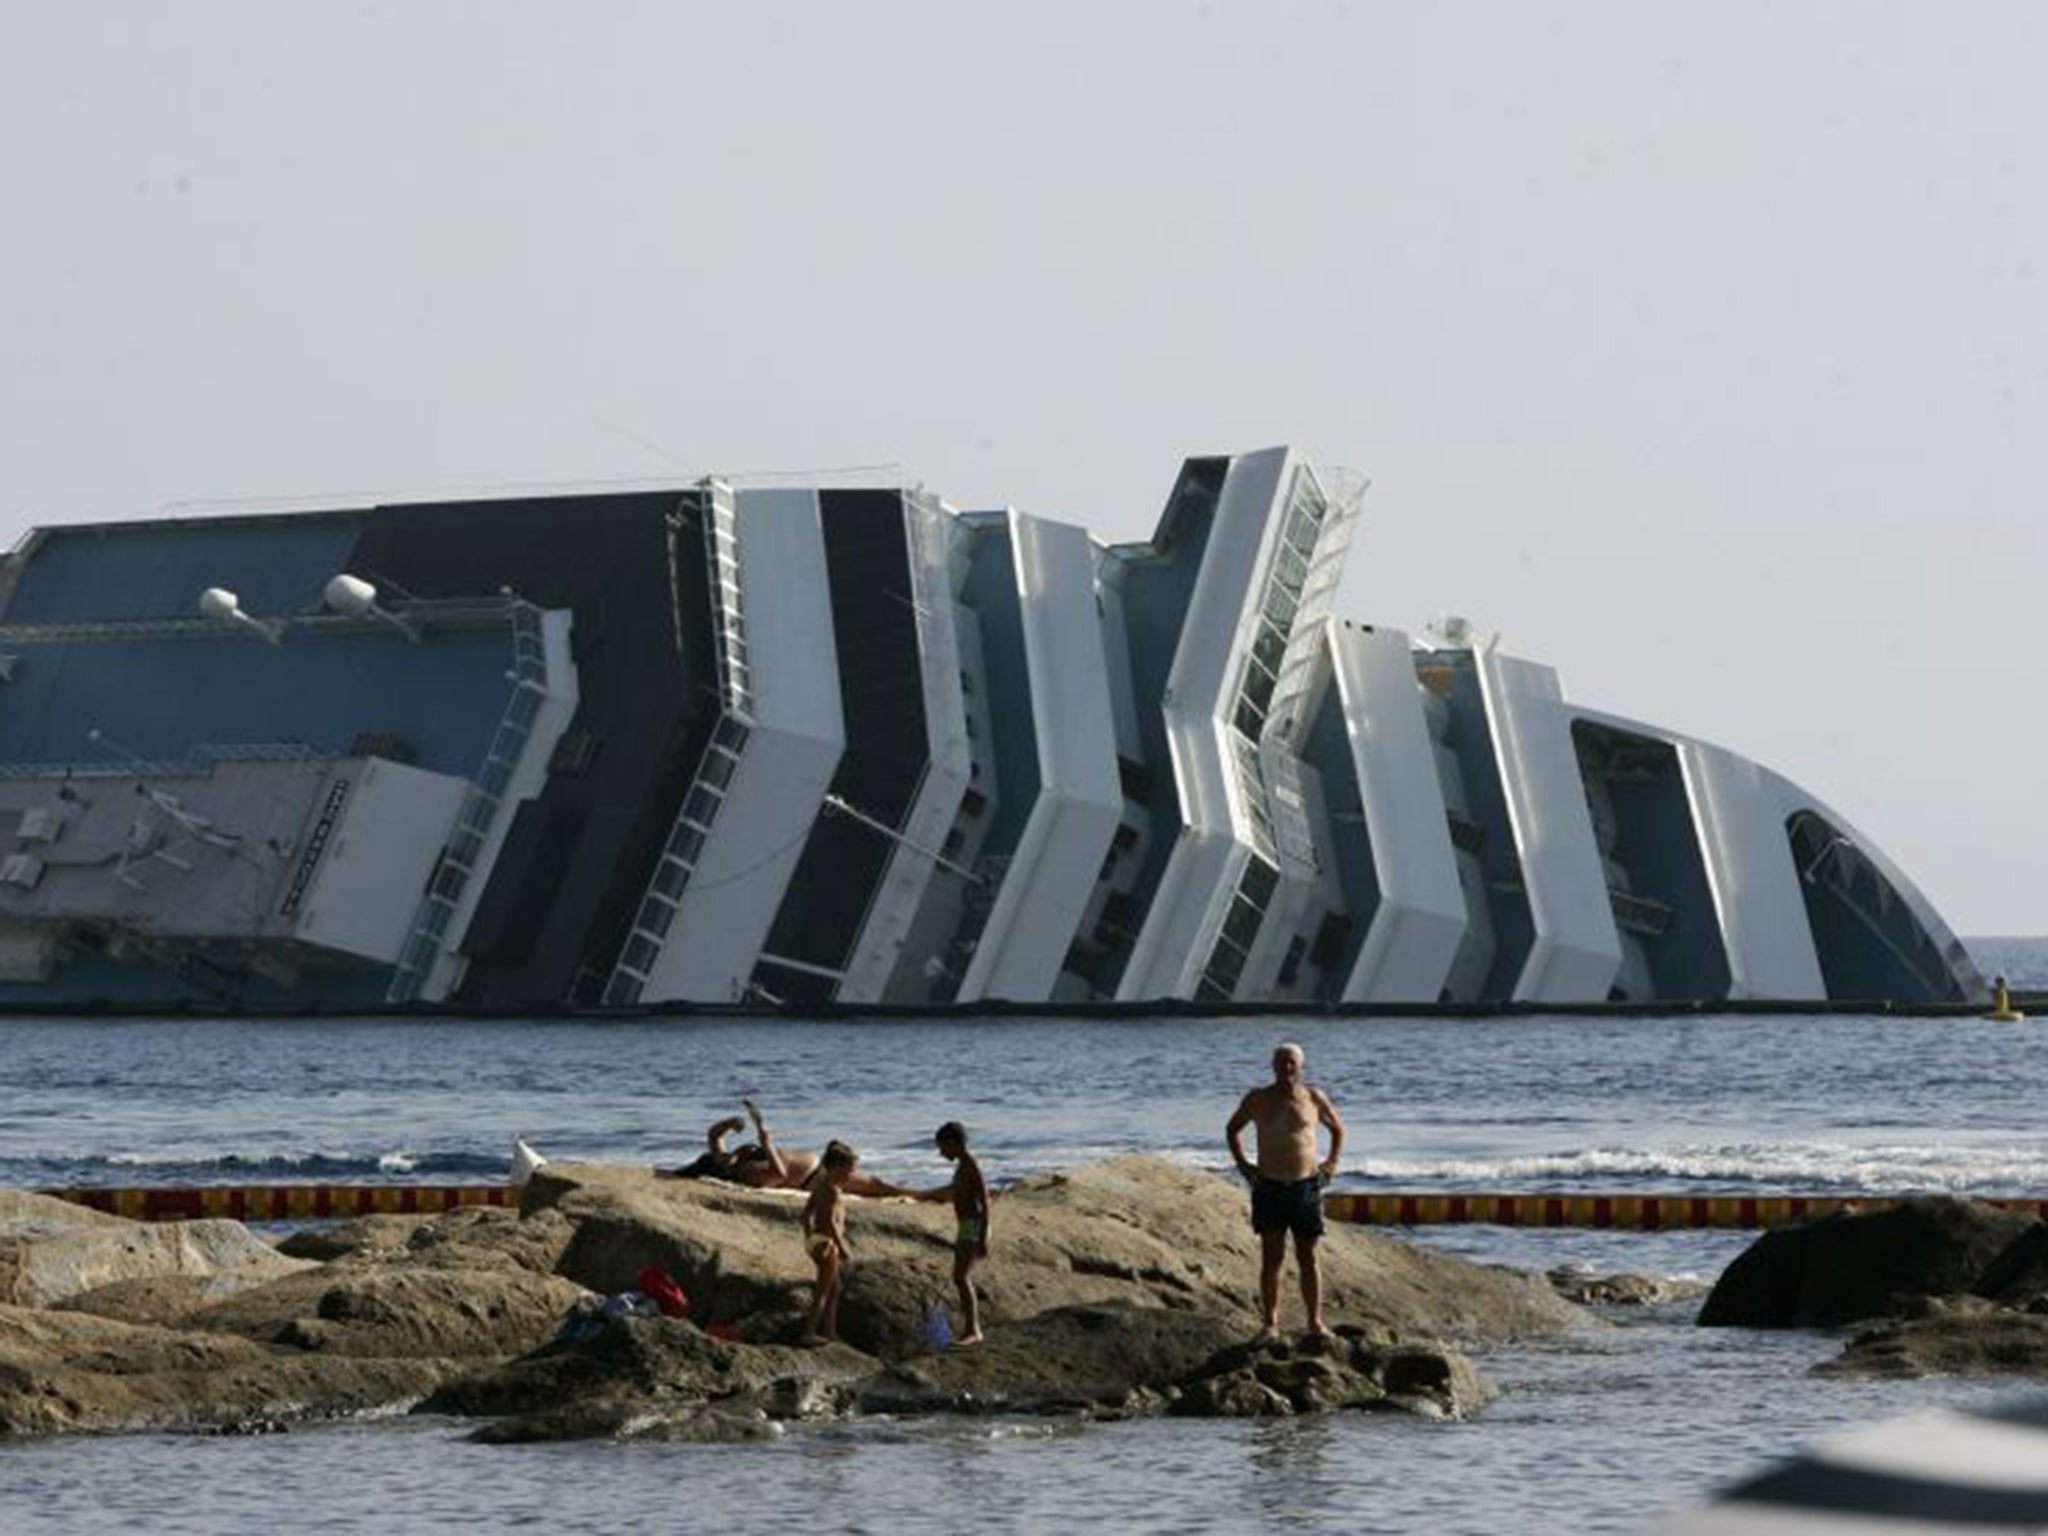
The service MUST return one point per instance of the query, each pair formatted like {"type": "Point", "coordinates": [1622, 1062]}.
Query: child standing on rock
{"type": "Point", "coordinates": [969, 1194]}
{"type": "Point", "coordinates": [824, 1226]}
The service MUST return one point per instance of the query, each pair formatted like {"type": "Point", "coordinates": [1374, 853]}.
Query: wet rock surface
{"type": "Point", "coordinates": [1118, 1289]}
{"type": "Point", "coordinates": [1623, 1290]}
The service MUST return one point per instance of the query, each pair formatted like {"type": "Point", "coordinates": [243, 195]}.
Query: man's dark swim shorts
{"type": "Point", "coordinates": [1283, 1207]}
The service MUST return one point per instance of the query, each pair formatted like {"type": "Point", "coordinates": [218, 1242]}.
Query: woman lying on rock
{"type": "Point", "coordinates": [760, 1164]}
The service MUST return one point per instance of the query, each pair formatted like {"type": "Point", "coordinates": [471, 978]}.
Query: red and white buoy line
{"type": "Point", "coordinates": [285, 1202]}
{"type": "Point", "coordinates": [1620, 1213]}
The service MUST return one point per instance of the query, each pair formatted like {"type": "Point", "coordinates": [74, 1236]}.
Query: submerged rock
{"type": "Point", "coordinates": [1624, 1290]}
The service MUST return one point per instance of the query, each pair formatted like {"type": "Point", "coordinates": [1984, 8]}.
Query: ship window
{"type": "Point", "coordinates": [717, 768]}
{"type": "Point", "coordinates": [685, 843]}
{"type": "Point", "coordinates": [449, 880]}
{"type": "Point", "coordinates": [435, 923]}
{"type": "Point", "coordinates": [701, 807]}
{"type": "Point", "coordinates": [1291, 571]}
{"type": "Point", "coordinates": [464, 847]}
{"type": "Point", "coordinates": [730, 734]}
{"type": "Point", "coordinates": [1281, 608]}
{"type": "Point", "coordinates": [656, 915]}
{"type": "Point", "coordinates": [1269, 645]}
{"type": "Point", "coordinates": [1259, 882]}
{"type": "Point", "coordinates": [1241, 927]}
{"type": "Point", "coordinates": [1290, 965]}
{"type": "Point", "coordinates": [640, 954]}
{"type": "Point", "coordinates": [670, 876]}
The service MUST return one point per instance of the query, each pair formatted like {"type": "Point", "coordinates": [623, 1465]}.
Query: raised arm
{"type": "Point", "coordinates": [714, 1138]}
{"type": "Point", "coordinates": [1327, 1113]}
{"type": "Point", "coordinates": [763, 1140]}
{"type": "Point", "coordinates": [1233, 1133]}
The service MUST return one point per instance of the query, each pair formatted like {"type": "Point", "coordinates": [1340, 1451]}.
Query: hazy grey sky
{"type": "Point", "coordinates": [1700, 349]}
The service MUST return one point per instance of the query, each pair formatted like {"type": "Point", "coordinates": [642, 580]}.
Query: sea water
{"type": "Point", "coordinates": [1596, 1431]}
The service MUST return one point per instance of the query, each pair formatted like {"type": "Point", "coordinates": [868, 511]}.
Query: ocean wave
{"type": "Point", "coordinates": [1760, 1167]}
{"type": "Point", "coordinates": [306, 1167]}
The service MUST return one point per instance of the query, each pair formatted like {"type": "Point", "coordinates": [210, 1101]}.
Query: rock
{"type": "Point", "coordinates": [51, 1250]}
{"type": "Point", "coordinates": [154, 1300]}
{"type": "Point", "coordinates": [646, 1366]}
{"type": "Point", "coordinates": [338, 1239]}
{"type": "Point", "coordinates": [72, 1372]}
{"type": "Point", "coordinates": [2019, 1276]}
{"type": "Point", "coordinates": [383, 1310]}
{"type": "Point", "coordinates": [1118, 1289]}
{"type": "Point", "coordinates": [1590, 1290]}
{"type": "Point", "coordinates": [1133, 1229]}
{"type": "Point", "coordinates": [463, 1238]}
{"type": "Point", "coordinates": [612, 1419]}
{"type": "Point", "coordinates": [1848, 1267]}
{"type": "Point", "coordinates": [1976, 1338]}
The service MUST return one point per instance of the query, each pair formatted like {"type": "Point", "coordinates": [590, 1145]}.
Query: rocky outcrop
{"type": "Point", "coordinates": [380, 1326]}
{"type": "Point", "coordinates": [1955, 1336]}
{"type": "Point", "coordinates": [1131, 1229]}
{"type": "Point", "coordinates": [1847, 1268]}
{"type": "Point", "coordinates": [1961, 1289]}
{"type": "Point", "coordinates": [51, 1251]}
{"type": "Point", "coordinates": [1117, 1289]}
{"type": "Point", "coordinates": [71, 1371]}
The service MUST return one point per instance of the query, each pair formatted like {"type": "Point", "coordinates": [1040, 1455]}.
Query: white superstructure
{"type": "Point", "coordinates": [841, 744]}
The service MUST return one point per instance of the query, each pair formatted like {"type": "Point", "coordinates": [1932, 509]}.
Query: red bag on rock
{"type": "Point", "coordinates": [662, 1289]}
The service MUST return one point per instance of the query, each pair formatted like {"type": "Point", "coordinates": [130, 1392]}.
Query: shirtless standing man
{"type": "Point", "coordinates": [1287, 1181]}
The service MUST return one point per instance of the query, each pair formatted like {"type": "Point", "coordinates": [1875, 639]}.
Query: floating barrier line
{"type": "Point", "coordinates": [1621, 1213]}
{"type": "Point", "coordinates": [284, 1202]}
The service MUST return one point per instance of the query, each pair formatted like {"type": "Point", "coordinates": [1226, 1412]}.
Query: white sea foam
{"type": "Point", "coordinates": [1878, 1168]}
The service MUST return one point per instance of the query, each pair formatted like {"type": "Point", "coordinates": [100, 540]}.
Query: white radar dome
{"type": "Point", "coordinates": [350, 595]}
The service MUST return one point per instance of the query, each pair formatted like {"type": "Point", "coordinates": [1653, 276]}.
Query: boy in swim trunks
{"type": "Point", "coordinates": [969, 1194]}
{"type": "Point", "coordinates": [1287, 1182]}
{"type": "Point", "coordinates": [824, 1227]}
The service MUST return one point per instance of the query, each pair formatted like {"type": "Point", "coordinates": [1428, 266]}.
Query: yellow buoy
{"type": "Point", "coordinates": [2002, 1009]}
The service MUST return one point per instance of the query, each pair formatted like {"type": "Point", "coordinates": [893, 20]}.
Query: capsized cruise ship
{"type": "Point", "coordinates": [811, 745]}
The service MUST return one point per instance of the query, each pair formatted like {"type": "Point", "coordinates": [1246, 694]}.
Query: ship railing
{"type": "Point", "coordinates": [198, 763]}
{"type": "Point", "coordinates": [716, 766]}
{"type": "Point", "coordinates": [422, 613]}
{"type": "Point", "coordinates": [729, 621]}
{"type": "Point", "coordinates": [477, 818]}
{"type": "Point", "coordinates": [663, 898]}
